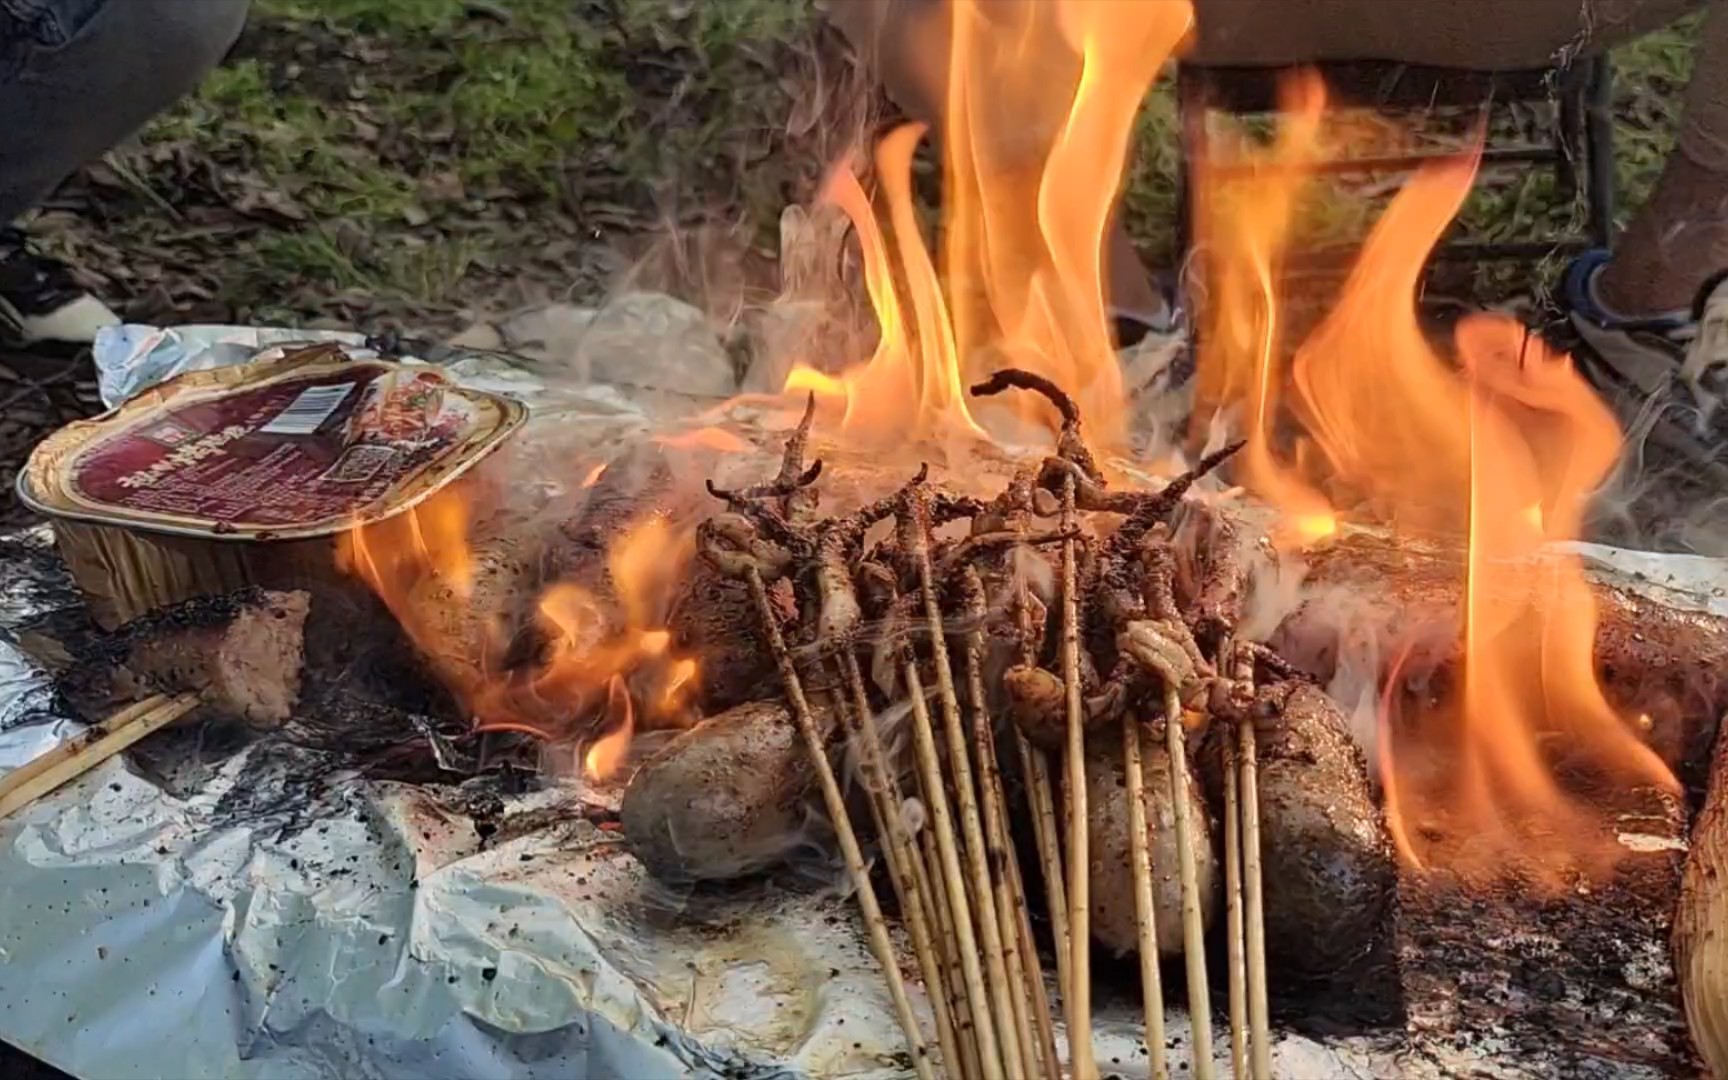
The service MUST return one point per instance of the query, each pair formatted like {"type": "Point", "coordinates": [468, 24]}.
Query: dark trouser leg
{"type": "Point", "coordinates": [1680, 237]}
{"type": "Point", "coordinates": [77, 76]}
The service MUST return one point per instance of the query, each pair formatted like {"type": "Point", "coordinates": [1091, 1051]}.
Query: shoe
{"type": "Point", "coordinates": [1666, 376]}
{"type": "Point", "coordinates": [41, 301]}
{"type": "Point", "coordinates": [1164, 318]}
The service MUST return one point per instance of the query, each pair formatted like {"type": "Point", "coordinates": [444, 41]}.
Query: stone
{"type": "Point", "coordinates": [482, 336]}
{"type": "Point", "coordinates": [641, 340]}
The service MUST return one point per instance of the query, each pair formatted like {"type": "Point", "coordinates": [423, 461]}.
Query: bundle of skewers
{"type": "Point", "coordinates": [925, 616]}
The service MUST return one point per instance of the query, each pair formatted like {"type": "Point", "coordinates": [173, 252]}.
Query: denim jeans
{"type": "Point", "coordinates": [77, 76]}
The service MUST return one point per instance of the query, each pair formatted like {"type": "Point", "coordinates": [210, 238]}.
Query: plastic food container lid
{"type": "Point", "coordinates": [306, 445]}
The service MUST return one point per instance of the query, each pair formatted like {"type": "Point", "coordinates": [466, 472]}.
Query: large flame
{"type": "Point", "coordinates": [1502, 448]}
{"type": "Point", "coordinates": [1041, 102]}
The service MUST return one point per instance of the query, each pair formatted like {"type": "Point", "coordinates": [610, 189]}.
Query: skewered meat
{"type": "Point", "coordinates": [1113, 918]}
{"type": "Point", "coordinates": [241, 652]}
{"type": "Point", "coordinates": [723, 799]}
{"type": "Point", "coordinates": [1326, 862]}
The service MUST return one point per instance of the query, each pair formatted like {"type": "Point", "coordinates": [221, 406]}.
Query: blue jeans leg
{"type": "Point", "coordinates": [77, 76]}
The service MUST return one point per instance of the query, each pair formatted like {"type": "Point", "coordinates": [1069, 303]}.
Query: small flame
{"type": "Point", "coordinates": [678, 682]}
{"type": "Point", "coordinates": [605, 756]}
{"type": "Point", "coordinates": [1315, 527]}
{"type": "Point", "coordinates": [594, 475]}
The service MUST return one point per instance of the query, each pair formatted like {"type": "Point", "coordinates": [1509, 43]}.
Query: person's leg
{"type": "Point", "coordinates": [76, 77]}
{"type": "Point", "coordinates": [1477, 35]}
{"type": "Point", "coordinates": [1680, 236]}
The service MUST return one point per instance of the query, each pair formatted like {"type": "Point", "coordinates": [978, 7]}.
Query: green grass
{"type": "Point", "coordinates": [453, 136]}
{"type": "Point", "coordinates": [429, 144]}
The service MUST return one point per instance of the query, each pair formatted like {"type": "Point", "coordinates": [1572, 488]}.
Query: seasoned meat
{"type": "Point", "coordinates": [242, 652]}
{"type": "Point", "coordinates": [723, 799]}
{"type": "Point", "coordinates": [1113, 918]}
{"type": "Point", "coordinates": [1327, 866]}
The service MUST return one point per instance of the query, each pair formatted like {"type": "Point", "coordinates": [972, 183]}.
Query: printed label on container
{"type": "Point", "coordinates": [294, 453]}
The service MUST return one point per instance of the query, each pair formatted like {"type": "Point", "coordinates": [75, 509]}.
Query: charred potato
{"type": "Point", "coordinates": [1327, 865]}
{"type": "Point", "coordinates": [723, 799]}
{"type": "Point", "coordinates": [1112, 883]}
{"type": "Point", "coordinates": [715, 621]}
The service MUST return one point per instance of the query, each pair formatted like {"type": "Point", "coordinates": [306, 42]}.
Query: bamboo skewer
{"type": "Point", "coordinates": [1259, 1015]}
{"type": "Point", "coordinates": [1078, 999]}
{"type": "Point", "coordinates": [999, 851]}
{"type": "Point", "coordinates": [1041, 1015]}
{"type": "Point", "coordinates": [942, 922]}
{"type": "Point", "coordinates": [999, 988]}
{"type": "Point", "coordinates": [1193, 927]}
{"type": "Point", "coordinates": [912, 860]}
{"type": "Point", "coordinates": [958, 1006]}
{"type": "Point", "coordinates": [1233, 939]}
{"type": "Point", "coordinates": [77, 756]}
{"type": "Point", "coordinates": [1242, 781]}
{"type": "Point", "coordinates": [959, 1003]}
{"type": "Point", "coordinates": [1233, 929]}
{"type": "Point", "coordinates": [953, 874]}
{"type": "Point", "coordinates": [905, 868]}
{"type": "Point", "coordinates": [876, 926]}
{"type": "Point", "coordinates": [1035, 767]}
{"type": "Point", "coordinates": [1145, 917]}
{"type": "Point", "coordinates": [1040, 791]}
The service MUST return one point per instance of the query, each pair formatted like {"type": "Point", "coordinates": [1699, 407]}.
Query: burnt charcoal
{"type": "Point", "coordinates": [241, 652]}
{"type": "Point", "coordinates": [1569, 985]}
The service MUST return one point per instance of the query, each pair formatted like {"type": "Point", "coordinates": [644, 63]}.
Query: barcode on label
{"type": "Point", "coordinates": [311, 408]}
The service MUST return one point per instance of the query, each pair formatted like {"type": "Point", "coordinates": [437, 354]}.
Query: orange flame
{"type": "Point", "coordinates": [1503, 449]}
{"type": "Point", "coordinates": [1246, 200]}
{"type": "Point", "coordinates": [607, 658]}
{"type": "Point", "coordinates": [1041, 101]}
